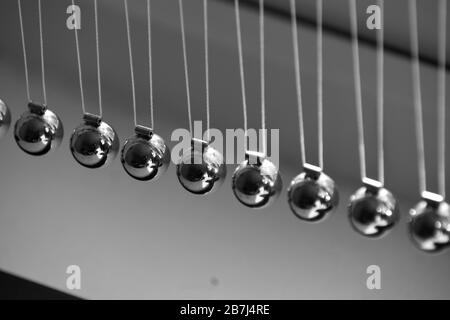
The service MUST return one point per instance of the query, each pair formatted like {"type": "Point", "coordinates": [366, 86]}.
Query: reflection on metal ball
{"type": "Point", "coordinates": [5, 119]}
{"type": "Point", "coordinates": [202, 169]}
{"type": "Point", "coordinates": [256, 181]}
{"type": "Point", "coordinates": [94, 143]}
{"type": "Point", "coordinates": [429, 225]}
{"type": "Point", "coordinates": [373, 210]}
{"type": "Point", "coordinates": [312, 194]}
{"type": "Point", "coordinates": [38, 130]}
{"type": "Point", "coordinates": [145, 156]}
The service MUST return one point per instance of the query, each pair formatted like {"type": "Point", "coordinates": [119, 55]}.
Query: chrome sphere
{"type": "Point", "coordinates": [256, 181]}
{"type": "Point", "coordinates": [145, 156]}
{"type": "Point", "coordinates": [5, 119]}
{"type": "Point", "coordinates": [429, 225]}
{"type": "Point", "coordinates": [38, 130]}
{"type": "Point", "coordinates": [373, 210]}
{"type": "Point", "coordinates": [312, 194]}
{"type": "Point", "coordinates": [94, 143]}
{"type": "Point", "coordinates": [202, 169]}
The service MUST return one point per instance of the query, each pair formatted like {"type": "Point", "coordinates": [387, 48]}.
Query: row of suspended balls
{"type": "Point", "coordinates": [256, 182]}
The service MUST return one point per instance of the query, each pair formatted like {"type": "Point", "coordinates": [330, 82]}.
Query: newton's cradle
{"type": "Point", "coordinates": [312, 195]}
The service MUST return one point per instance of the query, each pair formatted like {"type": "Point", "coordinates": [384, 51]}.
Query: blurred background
{"type": "Point", "coordinates": [153, 240]}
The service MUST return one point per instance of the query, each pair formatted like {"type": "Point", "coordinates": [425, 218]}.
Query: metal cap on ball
{"type": "Point", "coordinates": [38, 130]}
{"type": "Point", "coordinates": [145, 155]}
{"type": "Point", "coordinates": [312, 194]}
{"type": "Point", "coordinates": [202, 169]}
{"type": "Point", "coordinates": [256, 181]}
{"type": "Point", "coordinates": [429, 225]}
{"type": "Point", "coordinates": [94, 143]}
{"type": "Point", "coordinates": [373, 210]}
{"type": "Point", "coordinates": [5, 119]}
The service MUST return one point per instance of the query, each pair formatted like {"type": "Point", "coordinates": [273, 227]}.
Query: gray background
{"type": "Point", "coordinates": [154, 240]}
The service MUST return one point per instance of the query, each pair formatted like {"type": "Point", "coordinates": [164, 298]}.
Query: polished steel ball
{"type": "Point", "coordinates": [38, 130]}
{"type": "Point", "coordinates": [5, 119]}
{"type": "Point", "coordinates": [373, 210]}
{"type": "Point", "coordinates": [94, 143]}
{"type": "Point", "coordinates": [202, 169]}
{"type": "Point", "coordinates": [256, 181]}
{"type": "Point", "coordinates": [429, 225]}
{"type": "Point", "coordinates": [145, 156]}
{"type": "Point", "coordinates": [312, 194]}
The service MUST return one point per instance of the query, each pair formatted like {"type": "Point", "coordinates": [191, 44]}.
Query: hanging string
{"type": "Point", "coordinates": [80, 73]}
{"type": "Point", "coordinates": [380, 95]}
{"type": "Point", "coordinates": [298, 79]}
{"type": "Point", "coordinates": [150, 65]}
{"type": "Point", "coordinates": [319, 18]}
{"type": "Point", "coordinates": [205, 25]}
{"type": "Point", "coordinates": [186, 73]}
{"type": "Point", "coordinates": [241, 63]}
{"type": "Point", "coordinates": [441, 94]}
{"type": "Point", "coordinates": [130, 53]}
{"type": "Point", "coordinates": [263, 76]}
{"type": "Point", "coordinates": [357, 79]}
{"type": "Point", "coordinates": [417, 94]}
{"type": "Point", "coordinates": [77, 45]}
{"type": "Point", "coordinates": [99, 83]}
{"type": "Point", "coordinates": [24, 50]}
{"type": "Point", "coordinates": [41, 40]}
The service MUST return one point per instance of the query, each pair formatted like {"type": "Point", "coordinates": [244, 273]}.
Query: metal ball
{"type": "Point", "coordinates": [312, 194]}
{"type": "Point", "coordinates": [373, 210]}
{"type": "Point", "coordinates": [145, 156]}
{"type": "Point", "coordinates": [5, 119]}
{"type": "Point", "coordinates": [256, 181]}
{"type": "Point", "coordinates": [429, 225]}
{"type": "Point", "coordinates": [38, 130]}
{"type": "Point", "coordinates": [94, 143]}
{"type": "Point", "coordinates": [202, 170]}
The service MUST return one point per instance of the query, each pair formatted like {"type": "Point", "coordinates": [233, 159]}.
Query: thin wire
{"type": "Point", "coordinates": [263, 76]}
{"type": "Point", "coordinates": [417, 94]}
{"type": "Point", "coordinates": [133, 88]}
{"type": "Point", "coordinates": [41, 40]}
{"type": "Point", "coordinates": [25, 62]}
{"type": "Point", "coordinates": [357, 79]}
{"type": "Point", "coordinates": [320, 80]}
{"type": "Point", "coordinates": [298, 80]}
{"type": "Point", "coordinates": [241, 62]}
{"type": "Point", "coordinates": [441, 95]}
{"type": "Point", "coordinates": [99, 83]}
{"type": "Point", "coordinates": [186, 73]}
{"type": "Point", "coordinates": [380, 94]}
{"type": "Point", "coordinates": [205, 25]}
{"type": "Point", "coordinates": [150, 65]}
{"type": "Point", "coordinates": [77, 45]}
